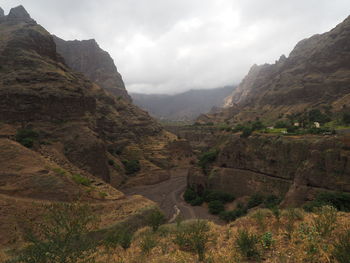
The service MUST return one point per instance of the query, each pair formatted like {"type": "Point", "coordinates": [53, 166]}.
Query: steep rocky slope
{"type": "Point", "coordinates": [294, 167]}
{"type": "Point", "coordinates": [183, 106]}
{"type": "Point", "coordinates": [96, 64]}
{"type": "Point", "coordinates": [78, 137]}
{"type": "Point", "coordinates": [315, 75]}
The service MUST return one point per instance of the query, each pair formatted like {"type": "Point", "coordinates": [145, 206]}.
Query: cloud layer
{"type": "Point", "coordinates": [167, 46]}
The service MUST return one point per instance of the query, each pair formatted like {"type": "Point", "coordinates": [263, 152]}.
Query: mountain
{"type": "Point", "coordinates": [63, 138]}
{"type": "Point", "coordinates": [96, 64]}
{"type": "Point", "coordinates": [183, 106]}
{"type": "Point", "coordinates": [316, 75]}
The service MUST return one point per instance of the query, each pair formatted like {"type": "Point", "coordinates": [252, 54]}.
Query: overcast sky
{"type": "Point", "coordinates": [169, 46]}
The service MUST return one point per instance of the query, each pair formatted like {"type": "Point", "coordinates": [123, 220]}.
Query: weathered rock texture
{"type": "Point", "coordinates": [295, 167]}
{"type": "Point", "coordinates": [316, 74]}
{"type": "Point", "coordinates": [80, 131]}
{"type": "Point", "coordinates": [96, 64]}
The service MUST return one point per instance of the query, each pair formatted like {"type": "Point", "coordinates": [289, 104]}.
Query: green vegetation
{"type": "Point", "coordinates": [131, 166]}
{"type": "Point", "coordinates": [255, 200]}
{"type": "Point", "coordinates": [61, 237]}
{"type": "Point", "coordinates": [217, 195]}
{"type": "Point", "coordinates": [121, 237]}
{"type": "Point", "coordinates": [207, 158]}
{"type": "Point", "coordinates": [247, 244]}
{"type": "Point", "coordinates": [148, 242]}
{"type": "Point", "coordinates": [59, 171]}
{"type": "Point", "coordinates": [346, 118]}
{"type": "Point", "coordinates": [194, 237]}
{"type": "Point", "coordinates": [339, 200]}
{"type": "Point", "coordinates": [232, 215]}
{"type": "Point", "coordinates": [325, 220]}
{"type": "Point", "coordinates": [267, 240]}
{"type": "Point", "coordinates": [79, 179]}
{"type": "Point", "coordinates": [27, 137]}
{"type": "Point", "coordinates": [216, 207]}
{"type": "Point", "coordinates": [156, 219]}
{"type": "Point", "coordinates": [342, 248]}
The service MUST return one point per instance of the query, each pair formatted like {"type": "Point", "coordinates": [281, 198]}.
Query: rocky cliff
{"type": "Point", "coordinates": [96, 64]}
{"type": "Point", "coordinates": [315, 74]}
{"type": "Point", "coordinates": [294, 167]}
{"type": "Point", "coordinates": [63, 138]}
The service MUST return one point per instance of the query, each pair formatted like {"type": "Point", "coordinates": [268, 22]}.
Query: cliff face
{"type": "Point", "coordinates": [96, 64]}
{"type": "Point", "coordinates": [93, 128]}
{"type": "Point", "coordinates": [316, 74]}
{"type": "Point", "coordinates": [295, 167]}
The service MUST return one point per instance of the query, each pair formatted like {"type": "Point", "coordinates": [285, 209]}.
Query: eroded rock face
{"type": "Point", "coordinates": [295, 167]}
{"type": "Point", "coordinates": [96, 64]}
{"type": "Point", "coordinates": [316, 74]}
{"type": "Point", "coordinates": [19, 13]}
{"type": "Point", "coordinates": [39, 91]}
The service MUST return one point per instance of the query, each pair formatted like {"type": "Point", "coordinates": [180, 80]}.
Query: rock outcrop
{"type": "Point", "coordinates": [96, 64]}
{"type": "Point", "coordinates": [297, 168]}
{"type": "Point", "coordinates": [316, 74]}
{"type": "Point", "coordinates": [2, 13]}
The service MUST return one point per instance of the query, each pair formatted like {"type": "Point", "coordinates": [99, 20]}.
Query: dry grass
{"type": "Point", "coordinates": [304, 244]}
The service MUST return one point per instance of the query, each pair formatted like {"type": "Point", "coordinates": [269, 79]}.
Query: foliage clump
{"type": "Point", "coordinates": [131, 166]}
{"type": "Point", "coordinates": [79, 179]}
{"type": "Point", "coordinates": [27, 137]}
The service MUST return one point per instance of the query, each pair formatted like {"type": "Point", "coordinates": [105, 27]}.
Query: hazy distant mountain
{"type": "Point", "coordinates": [183, 106]}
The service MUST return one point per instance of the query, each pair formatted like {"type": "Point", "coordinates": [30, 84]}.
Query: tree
{"type": "Point", "coordinates": [156, 219]}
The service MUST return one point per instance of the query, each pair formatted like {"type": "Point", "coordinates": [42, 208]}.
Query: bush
{"type": "Point", "coordinates": [246, 132]}
{"type": "Point", "coordinates": [282, 124]}
{"type": "Point", "coordinates": [267, 240]}
{"type": "Point", "coordinates": [207, 158]}
{"type": "Point", "coordinates": [218, 195]}
{"type": "Point", "coordinates": [197, 202]}
{"type": "Point", "coordinates": [26, 137]}
{"type": "Point", "coordinates": [342, 248]}
{"type": "Point", "coordinates": [229, 216]}
{"type": "Point", "coordinates": [79, 179]}
{"type": "Point", "coordinates": [317, 116]}
{"type": "Point", "coordinates": [346, 118]}
{"type": "Point", "coordinates": [61, 237]}
{"type": "Point", "coordinates": [216, 207]}
{"type": "Point", "coordinates": [258, 125]}
{"type": "Point", "coordinates": [255, 200]}
{"type": "Point", "coordinates": [339, 200]}
{"type": "Point", "coordinates": [193, 237]}
{"type": "Point", "coordinates": [111, 162]}
{"type": "Point", "coordinates": [132, 166]}
{"type": "Point", "coordinates": [147, 243]}
{"type": "Point", "coordinates": [190, 195]}
{"type": "Point", "coordinates": [121, 237]}
{"type": "Point", "coordinates": [326, 220]}
{"type": "Point", "coordinates": [272, 201]}
{"type": "Point", "coordinates": [156, 219]}
{"type": "Point", "coordinates": [247, 244]}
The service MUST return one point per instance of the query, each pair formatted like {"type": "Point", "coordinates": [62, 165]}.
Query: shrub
{"type": "Point", "coordinates": [196, 202]}
{"type": "Point", "coordinates": [121, 237]}
{"type": "Point", "coordinates": [339, 200]}
{"type": "Point", "coordinates": [216, 207]}
{"type": "Point", "coordinates": [246, 132]}
{"type": "Point", "coordinates": [326, 220]}
{"type": "Point", "coordinates": [207, 158]}
{"type": "Point", "coordinates": [247, 244]}
{"type": "Point", "coordinates": [147, 243]}
{"type": "Point", "coordinates": [26, 137]}
{"type": "Point", "coordinates": [155, 219]}
{"type": "Point", "coordinates": [255, 200]}
{"type": "Point", "coordinates": [61, 237]}
{"type": "Point", "coordinates": [259, 217]}
{"type": "Point", "coordinates": [229, 216]}
{"type": "Point", "coordinates": [346, 118]}
{"type": "Point", "coordinates": [194, 237]}
{"type": "Point", "coordinates": [111, 162]}
{"type": "Point", "coordinates": [267, 240]}
{"type": "Point", "coordinates": [282, 124]}
{"type": "Point", "coordinates": [342, 248]}
{"type": "Point", "coordinates": [190, 195]}
{"type": "Point", "coordinates": [79, 179]}
{"type": "Point", "coordinates": [132, 166]}
{"type": "Point", "coordinates": [257, 125]}
{"type": "Point", "coordinates": [218, 195]}
{"type": "Point", "coordinates": [272, 201]}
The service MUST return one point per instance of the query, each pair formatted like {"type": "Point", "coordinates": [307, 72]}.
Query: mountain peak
{"type": "Point", "coordinates": [2, 13]}
{"type": "Point", "coordinates": [19, 13]}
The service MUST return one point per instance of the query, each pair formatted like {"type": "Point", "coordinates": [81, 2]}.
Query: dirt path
{"type": "Point", "coordinates": [168, 195]}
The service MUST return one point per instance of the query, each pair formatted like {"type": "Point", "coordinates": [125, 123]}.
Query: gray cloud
{"type": "Point", "coordinates": [167, 46]}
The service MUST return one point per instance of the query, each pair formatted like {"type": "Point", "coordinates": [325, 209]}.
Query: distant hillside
{"type": "Point", "coordinates": [183, 106]}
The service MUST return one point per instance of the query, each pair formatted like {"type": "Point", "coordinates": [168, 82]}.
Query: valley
{"type": "Point", "coordinates": [261, 175]}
